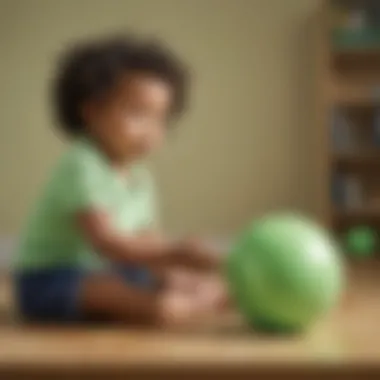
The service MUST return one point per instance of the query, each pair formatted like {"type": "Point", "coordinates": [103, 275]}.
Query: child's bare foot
{"type": "Point", "coordinates": [213, 291]}
{"type": "Point", "coordinates": [209, 288]}
{"type": "Point", "coordinates": [185, 281]}
{"type": "Point", "coordinates": [198, 296]}
{"type": "Point", "coordinates": [178, 309]}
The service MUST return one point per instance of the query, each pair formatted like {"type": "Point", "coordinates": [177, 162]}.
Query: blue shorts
{"type": "Point", "coordinates": [53, 294]}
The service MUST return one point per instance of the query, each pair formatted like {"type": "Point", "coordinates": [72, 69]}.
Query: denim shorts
{"type": "Point", "coordinates": [53, 294]}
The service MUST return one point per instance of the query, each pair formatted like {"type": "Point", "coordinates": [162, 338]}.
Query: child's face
{"type": "Point", "coordinates": [132, 121]}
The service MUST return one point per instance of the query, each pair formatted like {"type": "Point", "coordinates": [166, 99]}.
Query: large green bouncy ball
{"type": "Point", "coordinates": [284, 273]}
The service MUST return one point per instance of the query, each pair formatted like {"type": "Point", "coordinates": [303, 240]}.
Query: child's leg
{"type": "Point", "coordinates": [70, 295]}
{"type": "Point", "coordinates": [111, 297]}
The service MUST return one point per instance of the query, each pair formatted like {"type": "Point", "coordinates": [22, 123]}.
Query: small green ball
{"type": "Point", "coordinates": [361, 241]}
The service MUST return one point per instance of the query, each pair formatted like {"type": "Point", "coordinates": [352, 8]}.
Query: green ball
{"type": "Point", "coordinates": [361, 241]}
{"type": "Point", "coordinates": [284, 272]}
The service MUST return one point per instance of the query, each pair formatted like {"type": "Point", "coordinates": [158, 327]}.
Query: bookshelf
{"type": "Point", "coordinates": [348, 114]}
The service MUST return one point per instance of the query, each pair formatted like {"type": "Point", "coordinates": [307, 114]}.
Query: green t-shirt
{"type": "Point", "coordinates": [83, 179]}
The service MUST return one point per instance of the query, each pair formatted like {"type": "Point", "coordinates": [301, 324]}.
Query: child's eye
{"type": "Point", "coordinates": [136, 117]}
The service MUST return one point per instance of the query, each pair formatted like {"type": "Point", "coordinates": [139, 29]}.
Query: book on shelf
{"type": "Point", "coordinates": [347, 192]}
{"type": "Point", "coordinates": [342, 132]}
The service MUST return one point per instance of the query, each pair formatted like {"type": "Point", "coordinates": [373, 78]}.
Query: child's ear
{"type": "Point", "coordinates": [87, 112]}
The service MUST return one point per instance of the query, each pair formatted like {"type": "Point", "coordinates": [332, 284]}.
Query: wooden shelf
{"type": "Point", "coordinates": [349, 82]}
{"type": "Point", "coordinates": [357, 159]}
{"type": "Point", "coordinates": [366, 60]}
{"type": "Point", "coordinates": [356, 94]}
{"type": "Point", "coordinates": [364, 215]}
{"type": "Point", "coordinates": [342, 55]}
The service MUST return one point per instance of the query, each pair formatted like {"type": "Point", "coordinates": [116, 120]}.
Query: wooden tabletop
{"type": "Point", "coordinates": [348, 340]}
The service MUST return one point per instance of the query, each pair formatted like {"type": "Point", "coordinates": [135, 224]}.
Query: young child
{"type": "Point", "coordinates": [90, 249]}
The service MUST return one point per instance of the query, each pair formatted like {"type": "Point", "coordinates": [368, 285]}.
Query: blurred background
{"type": "Point", "coordinates": [284, 111]}
{"type": "Point", "coordinates": [244, 147]}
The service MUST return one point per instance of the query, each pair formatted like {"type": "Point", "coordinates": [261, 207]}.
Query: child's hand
{"type": "Point", "coordinates": [190, 253]}
{"type": "Point", "coordinates": [195, 253]}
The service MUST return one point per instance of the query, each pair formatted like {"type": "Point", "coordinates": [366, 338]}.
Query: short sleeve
{"type": "Point", "coordinates": [151, 217]}
{"type": "Point", "coordinates": [86, 182]}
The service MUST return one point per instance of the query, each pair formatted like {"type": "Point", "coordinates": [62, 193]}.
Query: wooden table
{"type": "Point", "coordinates": [346, 345]}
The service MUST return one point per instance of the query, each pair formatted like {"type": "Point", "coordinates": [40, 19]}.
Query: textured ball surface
{"type": "Point", "coordinates": [284, 273]}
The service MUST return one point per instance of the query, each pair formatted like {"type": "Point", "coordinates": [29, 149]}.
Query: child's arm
{"type": "Point", "coordinates": [150, 250]}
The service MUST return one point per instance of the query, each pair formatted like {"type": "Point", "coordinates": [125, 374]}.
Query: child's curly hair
{"type": "Point", "coordinates": [91, 69]}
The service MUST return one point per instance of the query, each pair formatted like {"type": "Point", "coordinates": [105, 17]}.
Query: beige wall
{"type": "Point", "coordinates": [243, 149]}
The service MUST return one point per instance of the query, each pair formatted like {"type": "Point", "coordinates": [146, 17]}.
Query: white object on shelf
{"type": "Point", "coordinates": [357, 19]}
